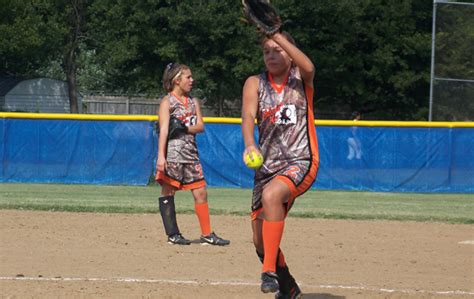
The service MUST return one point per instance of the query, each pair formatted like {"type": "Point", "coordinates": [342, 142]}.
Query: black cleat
{"type": "Point", "coordinates": [294, 293]}
{"type": "Point", "coordinates": [269, 282]}
{"type": "Point", "coordinates": [288, 288]}
{"type": "Point", "coordinates": [213, 239]}
{"type": "Point", "coordinates": [178, 239]}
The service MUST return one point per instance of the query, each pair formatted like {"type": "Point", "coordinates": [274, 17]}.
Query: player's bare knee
{"type": "Point", "coordinates": [200, 195]}
{"type": "Point", "coordinates": [170, 193]}
{"type": "Point", "coordinates": [271, 198]}
{"type": "Point", "coordinates": [168, 190]}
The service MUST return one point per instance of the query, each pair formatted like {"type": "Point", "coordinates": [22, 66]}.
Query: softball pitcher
{"type": "Point", "coordinates": [281, 99]}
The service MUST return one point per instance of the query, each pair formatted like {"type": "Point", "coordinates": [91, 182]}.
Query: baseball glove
{"type": "Point", "coordinates": [263, 15]}
{"type": "Point", "coordinates": [176, 128]}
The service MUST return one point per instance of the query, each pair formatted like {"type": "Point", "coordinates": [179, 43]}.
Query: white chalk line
{"type": "Point", "coordinates": [169, 281]}
{"type": "Point", "coordinates": [467, 242]}
{"type": "Point", "coordinates": [235, 283]}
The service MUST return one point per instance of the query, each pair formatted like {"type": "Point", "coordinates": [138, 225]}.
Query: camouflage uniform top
{"type": "Point", "coordinates": [183, 149]}
{"type": "Point", "coordinates": [282, 122]}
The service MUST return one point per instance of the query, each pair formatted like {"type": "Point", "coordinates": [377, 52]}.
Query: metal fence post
{"type": "Point", "coordinates": [433, 39]}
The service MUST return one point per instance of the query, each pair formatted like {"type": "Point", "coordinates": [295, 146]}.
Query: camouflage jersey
{"type": "Point", "coordinates": [183, 149]}
{"type": "Point", "coordinates": [288, 144]}
{"type": "Point", "coordinates": [282, 121]}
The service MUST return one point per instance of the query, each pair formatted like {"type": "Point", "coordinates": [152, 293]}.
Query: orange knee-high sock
{"type": "Point", "coordinates": [202, 212]}
{"type": "Point", "coordinates": [272, 232]}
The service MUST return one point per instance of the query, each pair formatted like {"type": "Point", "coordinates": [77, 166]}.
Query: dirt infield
{"type": "Point", "coordinates": [85, 255]}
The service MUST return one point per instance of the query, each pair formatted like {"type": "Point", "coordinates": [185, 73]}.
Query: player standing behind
{"type": "Point", "coordinates": [178, 165]}
{"type": "Point", "coordinates": [281, 98]}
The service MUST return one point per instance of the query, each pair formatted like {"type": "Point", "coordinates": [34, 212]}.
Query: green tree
{"type": "Point", "coordinates": [29, 37]}
{"type": "Point", "coordinates": [370, 55]}
{"type": "Point", "coordinates": [39, 34]}
{"type": "Point", "coordinates": [136, 45]}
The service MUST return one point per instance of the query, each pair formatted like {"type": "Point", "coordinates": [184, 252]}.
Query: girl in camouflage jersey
{"type": "Point", "coordinates": [178, 165]}
{"type": "Point", "coordinates": [281, 99]}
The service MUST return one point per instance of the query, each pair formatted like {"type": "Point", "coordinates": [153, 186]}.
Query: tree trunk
{"type": "Point", "coordinates": [70, 59]}
{"type": "Point", "coordinates": [71, 80]}
{"type": "Point", "coordinates": [221, 101]}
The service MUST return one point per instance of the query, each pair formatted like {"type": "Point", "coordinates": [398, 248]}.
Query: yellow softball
{"type": "Point", "coordinates": [253, 160]}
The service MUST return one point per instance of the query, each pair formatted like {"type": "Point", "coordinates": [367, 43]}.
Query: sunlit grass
{"type": "Point", "coordinates": [452, 208]}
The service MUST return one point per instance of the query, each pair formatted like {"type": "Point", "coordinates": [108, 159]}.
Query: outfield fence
{"type": "Point", "coordinates": [121, 150]}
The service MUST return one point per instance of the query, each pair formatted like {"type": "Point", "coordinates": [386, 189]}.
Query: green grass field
{"type": "Point", "coordinates": [451, 208]}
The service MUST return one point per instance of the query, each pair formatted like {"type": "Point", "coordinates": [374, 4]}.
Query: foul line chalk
{"type": "Point", "coordinates": [169, 281]}
{"type": "Point", "coordinates": [383, 290]}
{"type": "Point", "coordinates": [467, 242]}
{"type": "Point", "coordinates": [235, 283]}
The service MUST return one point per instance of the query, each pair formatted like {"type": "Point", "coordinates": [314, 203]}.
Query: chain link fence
{"type": "Point", "coordinates": [452, 64]}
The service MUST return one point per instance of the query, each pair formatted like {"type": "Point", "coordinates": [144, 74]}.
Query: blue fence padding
{"type": "Point", "coordinates": [124, 152]}
{"type": "Point", "coordinates": [76, 152]}
{"type": "Point", "coordinates": [397, 159]}
{"type": "Point", "coordinates": [220, 150]}
{"type": "Point", "coordinates": [390, 158]}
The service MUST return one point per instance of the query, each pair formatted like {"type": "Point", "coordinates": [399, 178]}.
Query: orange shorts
{"type": "Point", "coordinates": [298, 177]}
{"type": "Point", "coordinates": [182, 176]}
